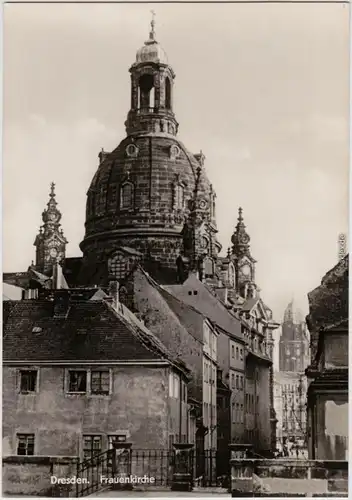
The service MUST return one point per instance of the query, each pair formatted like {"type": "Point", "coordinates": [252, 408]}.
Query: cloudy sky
{"type": "Point", "coordinates": [262, 89]}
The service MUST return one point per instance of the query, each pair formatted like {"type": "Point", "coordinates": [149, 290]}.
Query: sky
{"type": "Point", "coordinates": [261, 89]}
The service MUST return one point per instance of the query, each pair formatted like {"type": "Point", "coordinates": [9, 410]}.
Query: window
{"type": "Point", "coordinates": [25, 444]}
{"type": "Point", "coordinates": [237, 382]}
{"type": "Point", "coordinates": [232, 381]}
{"type": "Point", "coordinates": [237, 412]}
{"type": "Point", "coordinates": [77, 381]}
{"type": "Point", "coordinates": [241, 417]}
{"type": "Point", "coordinates": [100, 382]}
{"type": "Point", "coordinates": [118, 266]}
{"type": "Point", "coordinates": [179, 197]}
{"type": "Point", "coordinates": [233, 351]}
{"type": "Point", "coordinates": [91, 446]}
{"type": "Point", "coordinates": [126, 195]}
{"type": "Point", "coordinates": [208, 266]}
{"type": "Point", "coordinates": [28, 381]}
{"type": "Point", "coordinates": [237, 355]}
{"type": "Point", "coordinates": [241, 354]}
{"type": "Point", "coordinates": [174, 386]}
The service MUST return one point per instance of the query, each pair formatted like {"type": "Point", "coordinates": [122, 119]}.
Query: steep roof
{"type": "Point", "coordinates": [91, 331]}
{"type": "Point", "coordinates": [206, 303]}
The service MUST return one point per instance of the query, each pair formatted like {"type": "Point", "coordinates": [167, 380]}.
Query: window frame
{"type": "Point", "coordinates": [92, 436]}
{"type": "Point", "coordinates": [24, 371]}
{"type": "Point", "coordinates": [69, 371]}
{"type": "Point", "coordinates": [27, 436]}
{"type": "Point", "coordinates": [88, 392]}
{"type": "Point", "coordinates": [121, 194]}
{"type": "Point", "coordinates": [100, 393]}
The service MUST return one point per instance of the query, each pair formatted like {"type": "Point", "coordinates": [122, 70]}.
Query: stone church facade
{"type": "Point", "coordinates": [151, 204]}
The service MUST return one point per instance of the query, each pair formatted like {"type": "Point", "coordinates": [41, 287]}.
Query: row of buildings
{"type": "Point", "coordinates": [151, 336]}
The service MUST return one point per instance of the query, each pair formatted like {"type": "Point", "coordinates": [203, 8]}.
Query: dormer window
{"type": "Point", "coordinates": [132, 150]}
{"type": "Point", "coordinates": [126, 195]}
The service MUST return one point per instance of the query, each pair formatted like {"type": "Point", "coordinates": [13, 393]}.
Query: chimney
{"type": "Point", "coordinates": [114, 293]}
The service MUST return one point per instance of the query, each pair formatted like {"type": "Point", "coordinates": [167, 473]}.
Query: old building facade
{"type": "Point", "coordinates": [327, 395]}
{"type": "Point", "coordinates": [71, 390]}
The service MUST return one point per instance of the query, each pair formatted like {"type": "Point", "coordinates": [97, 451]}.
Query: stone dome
{"type": "Point", "coordinates": [160, 174]}
{"type": "Point", "coordinates": [153, 52]}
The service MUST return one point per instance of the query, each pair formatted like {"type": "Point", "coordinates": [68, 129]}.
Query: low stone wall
{"type": "Point", "coordinates": [258, 477]}
{"type": "Point", "coordinates": [31, 475]}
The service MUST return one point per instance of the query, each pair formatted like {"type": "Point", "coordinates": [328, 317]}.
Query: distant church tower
{"type": "Point", "coordinates": [294, 342]}
{"type": "Point", "coordinates": [50, 243]}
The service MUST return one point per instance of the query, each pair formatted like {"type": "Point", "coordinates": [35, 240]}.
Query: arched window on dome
{"type": "Point", "coordinates": [178, 199]}
{"type": "Point", "coordinates": [126, 195]}
{"type": "Point", "coordinates": [167, 93]}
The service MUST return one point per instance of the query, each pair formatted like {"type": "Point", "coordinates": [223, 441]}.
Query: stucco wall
{"type": "Point", "coordinates": [137, 407]}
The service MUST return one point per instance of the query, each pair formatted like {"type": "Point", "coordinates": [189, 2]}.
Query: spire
{"type": "Point", "coordinates": [240, 239]}
{"type": "Point", "coordinates": [50, 242]}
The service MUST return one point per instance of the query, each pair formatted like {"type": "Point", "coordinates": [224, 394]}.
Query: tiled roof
{"type": "Point", "coordinates": [91, 331]}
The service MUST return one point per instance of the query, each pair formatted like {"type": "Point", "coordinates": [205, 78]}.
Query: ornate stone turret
{"type": "Point", "coordinates": [50, 243]}
{"type": "Point", "coordinates": [152, 80]}
{"type": "Point", "coordinates": [243, 260]}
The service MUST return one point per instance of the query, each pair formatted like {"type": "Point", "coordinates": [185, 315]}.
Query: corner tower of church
{"type": "Point", "coordinates": [150, 196]}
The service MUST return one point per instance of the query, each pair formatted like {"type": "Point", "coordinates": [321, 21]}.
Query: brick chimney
{"type": "Point", "coordinates": [114, 286]}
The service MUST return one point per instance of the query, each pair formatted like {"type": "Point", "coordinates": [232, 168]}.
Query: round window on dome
{"type": "Point", "coordinates": [132, 151]}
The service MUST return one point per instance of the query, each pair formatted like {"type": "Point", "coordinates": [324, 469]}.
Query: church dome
{"type": "Point", "coordinates": [144, 188]}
